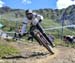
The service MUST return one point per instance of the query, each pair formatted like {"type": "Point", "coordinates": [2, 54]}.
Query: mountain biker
{"type": "Point", "coordinates": [34, 20]}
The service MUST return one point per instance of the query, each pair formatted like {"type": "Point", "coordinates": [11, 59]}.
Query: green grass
{"type": "Point", "coordinates": [59, 42]}
{"type": "Point", "coordinates": [49, 23]}
{"type": "Point", "coordinates": [6, 50]}
{"type": "Point", "coordinates": [46, 23]}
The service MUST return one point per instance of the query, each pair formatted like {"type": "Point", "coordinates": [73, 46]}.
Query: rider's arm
{"type": "Point", "coordinates": [24, 26]}
{"type": "Point", "coordinates": [35, 21]}
{"type": "Point", "coordinates": [40, 18]}
{"type": "Point", "coordinates": [25, 21]}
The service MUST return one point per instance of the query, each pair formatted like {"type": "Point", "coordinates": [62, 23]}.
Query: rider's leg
{"type": "Point", "coordinates": [43, 32]}
{"type": "Point", "coordinates": [32, 33]}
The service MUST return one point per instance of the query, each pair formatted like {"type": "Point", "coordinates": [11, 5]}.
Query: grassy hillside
{"type": "Point", "coordinates": [47, 23]}
{"type": "Point", "coordinates": [12, 19]}
{"type": "Point", "coordinates": [6, 49]}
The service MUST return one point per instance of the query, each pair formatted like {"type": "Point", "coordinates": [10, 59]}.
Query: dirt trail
{"type": "Point", "coordinates": [34, 53]}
